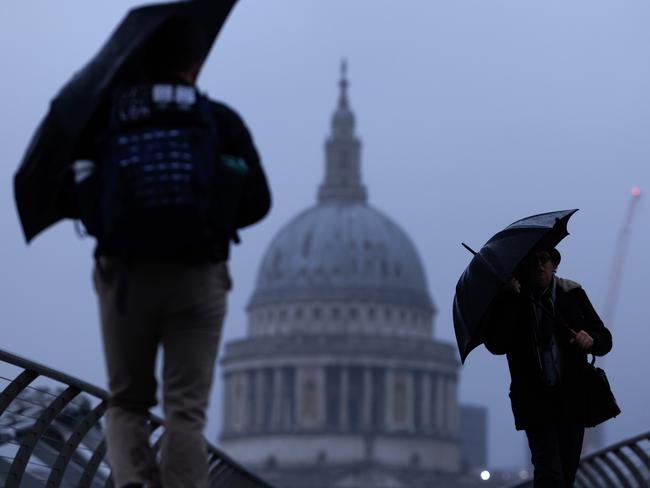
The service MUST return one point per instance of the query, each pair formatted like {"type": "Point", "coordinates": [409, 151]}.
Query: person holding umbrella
{"type": "Point", "coordinates": [546, 358]}
{"type": "Point", "coordinates": [510, 299]}
{"type": "Point", "coordinates": [163, 177]}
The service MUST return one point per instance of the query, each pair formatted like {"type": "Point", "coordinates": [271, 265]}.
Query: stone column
{"type": "Point", "coordinates": [343, 406]}
{"type": "Point", "coordinates": [227, 396]}
{"type": "Point", "coordinates": [240, 408]}
{"type": "Point", "coordinates": [441, 403]}
{"type": "Point", "coordinates": [388, 400]}
{"type": "Point", "coordinates": [452, 405]}
{"type": "Point", "coordinates": [367, 398]}
{"type": "Point", "coordinates": [425, 396]}
{"type": "Point", "coordinates": [297, 398]}
{"type": "Point", "coordinates": [260, 404]}
{"type": "Point", "coordinates": [277, 416]}
{"type": "Point", "coordinates": [410, 401]}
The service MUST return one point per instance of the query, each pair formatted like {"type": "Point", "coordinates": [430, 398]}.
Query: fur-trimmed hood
{"type": "Point", "coordinates": [566, 285]}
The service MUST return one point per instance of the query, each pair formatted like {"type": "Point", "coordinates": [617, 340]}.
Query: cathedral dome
{"type": "Point", "coordinates": [339, 370]}
{"type": "Point", "coordinates": [342, 250]}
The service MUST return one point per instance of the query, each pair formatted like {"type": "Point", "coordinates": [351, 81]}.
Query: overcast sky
{"type": "Point", "coordinates": [472, 113]}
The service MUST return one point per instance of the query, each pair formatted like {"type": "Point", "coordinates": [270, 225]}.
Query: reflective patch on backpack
{"type": "Point", "coordinates": [185, 97]}
{"type": "Point", "coordinates": [132, 106]}
{"type": "Point", "coordinates": [158, 167]}
{"type": "Point", "coordinates": [181, 96]}
{"type": "Point", "coordinates": [162, 93]}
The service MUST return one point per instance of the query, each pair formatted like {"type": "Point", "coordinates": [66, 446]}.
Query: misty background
{"type": "Point", "coordinates": [472, 114]}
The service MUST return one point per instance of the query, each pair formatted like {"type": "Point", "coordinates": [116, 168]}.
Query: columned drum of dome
{"type": "Point", "coordinates": [340, 369]}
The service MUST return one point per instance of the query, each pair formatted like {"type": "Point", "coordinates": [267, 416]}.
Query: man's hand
{"type": "Point", "coordinates": [582, 340]}
{"type": "Point", "coordinates": [512, 286]}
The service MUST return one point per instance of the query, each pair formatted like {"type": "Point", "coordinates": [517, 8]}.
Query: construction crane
{"type": "Point", "coordinates": [620, 255]}
{"type": "Point", "coordinates": [594, 437]}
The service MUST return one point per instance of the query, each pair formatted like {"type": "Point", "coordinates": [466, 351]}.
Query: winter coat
{"type": "Point", "coordinates": [510, 328]}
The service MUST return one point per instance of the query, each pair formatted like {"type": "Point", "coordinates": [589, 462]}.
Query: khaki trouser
{"type": "Point", "coordinates": [180, 307]}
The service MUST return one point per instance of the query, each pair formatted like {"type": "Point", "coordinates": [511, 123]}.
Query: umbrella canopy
{"type": "Point", "coordinates": [40, 182]}
{"type": "Point", "coordinates": [494, 265]}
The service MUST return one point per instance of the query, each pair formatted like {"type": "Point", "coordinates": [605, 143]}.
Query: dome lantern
{"type": "Point", "coordinates": [342, 153]}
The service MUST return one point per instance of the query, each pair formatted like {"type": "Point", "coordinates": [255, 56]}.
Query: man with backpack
{"type": "Point", "coordinates": [170, 180]}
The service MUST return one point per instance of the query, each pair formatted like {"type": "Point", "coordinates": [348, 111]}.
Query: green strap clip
{"type": "Point", "coordinates": [234, 163]}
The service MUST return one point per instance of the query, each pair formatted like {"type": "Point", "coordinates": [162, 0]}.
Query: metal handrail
{"type": "Point", "coordinates": [51, 452]}
{"type": "Point", "coordinates": [625, 464]}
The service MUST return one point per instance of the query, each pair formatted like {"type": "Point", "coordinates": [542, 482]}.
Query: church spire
{"type": "Point", "coordinates": [342, 153]}
{"type": "Point", "coordinates": [343, 85]}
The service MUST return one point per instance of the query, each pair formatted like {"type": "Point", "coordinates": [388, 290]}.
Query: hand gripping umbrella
{"type": "Point", "coordinates": [39, 183]}
{"type": "Point", "coordinates": [494, 265]}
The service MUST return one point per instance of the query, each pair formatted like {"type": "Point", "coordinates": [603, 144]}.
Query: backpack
{"type": "Point", "coordinates": [162, 188]}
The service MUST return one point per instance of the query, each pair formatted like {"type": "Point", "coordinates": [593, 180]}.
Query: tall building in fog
{"type": "Point", "coordinates": [339, 382]}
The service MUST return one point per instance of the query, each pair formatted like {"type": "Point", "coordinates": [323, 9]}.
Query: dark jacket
{"type": "Point", "coordinates": [237, 141]}
{"type": "Point", "coordinates": [510, 328]}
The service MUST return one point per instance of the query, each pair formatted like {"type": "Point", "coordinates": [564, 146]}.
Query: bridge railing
{"type": "Point", "coordinates": [52, 432]}
{"type": "Point", "coordinates": [625, 464]}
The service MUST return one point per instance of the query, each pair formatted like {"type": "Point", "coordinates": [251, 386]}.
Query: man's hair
{"type": "Point", "coordinates": [177, 47]}
{"type": "Point", "coordinates": [555, 255]}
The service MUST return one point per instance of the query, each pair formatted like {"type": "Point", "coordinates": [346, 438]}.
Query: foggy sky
{"type": "Point", "coordinates": [472, 113]}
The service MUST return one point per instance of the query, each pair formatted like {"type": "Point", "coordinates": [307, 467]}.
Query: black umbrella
{"type": "Point", "coordinates": [494, 265]}
{"type": "Point", "coordinates": [40, 183]}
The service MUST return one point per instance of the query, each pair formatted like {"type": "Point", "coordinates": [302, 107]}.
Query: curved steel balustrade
{"type": "Point", "coordinates": [625, 464]}
{"type": "Point", "coordinates": [51, 432]}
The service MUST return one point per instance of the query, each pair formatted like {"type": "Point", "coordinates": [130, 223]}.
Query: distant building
{"type": "Point", "coordinates": [473, 437]}
{"type": "Point", "coordinates": [339, 382]}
